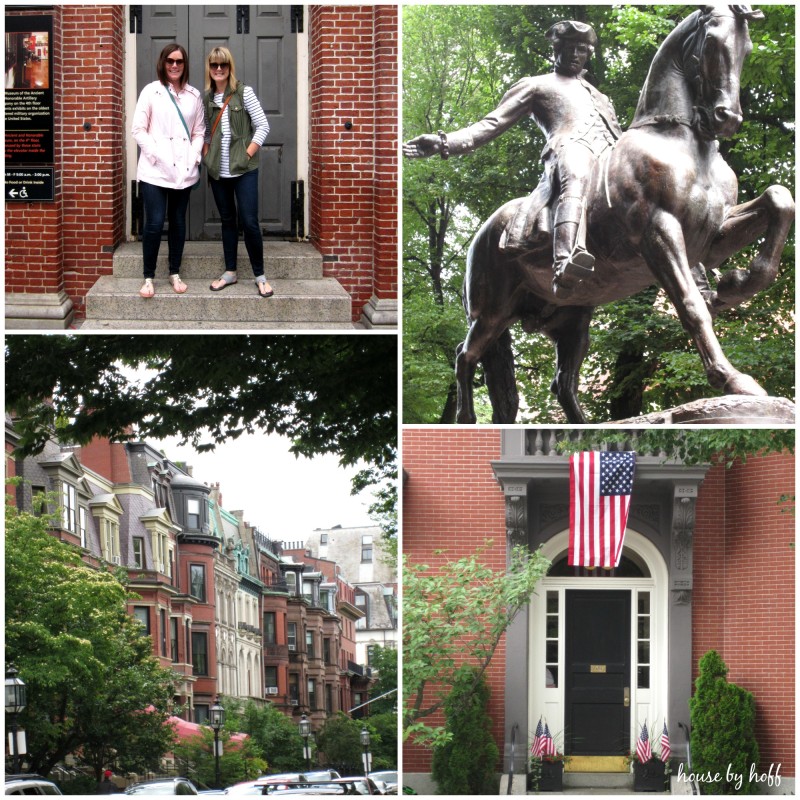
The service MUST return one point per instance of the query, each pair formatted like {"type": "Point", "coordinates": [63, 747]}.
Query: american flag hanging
{"type": "Point", "coordinates": [665, 749]}
{"type": "Point", "coordinates": [643, 751]}
{"type": "Point", "coordinates": [600, 486]}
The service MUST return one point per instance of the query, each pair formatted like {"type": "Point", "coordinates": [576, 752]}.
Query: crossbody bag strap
{"type": "Point", "coordinates": [219, 116]}
{"type": "Point", "coordinates": [180, 113]}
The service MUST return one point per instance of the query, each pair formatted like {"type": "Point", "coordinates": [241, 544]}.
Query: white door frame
{"type": "Point", "coordinates": [647, 704]}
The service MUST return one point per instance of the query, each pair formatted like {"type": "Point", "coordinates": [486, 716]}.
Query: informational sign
{"type": "Point", "coordinates": [27, 184]}
{"type": "Point", "coordinates": [29, 90]}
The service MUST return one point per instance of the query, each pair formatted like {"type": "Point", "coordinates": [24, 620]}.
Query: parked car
{"type": "Point", "coordinates": [386, 777]}
{"type": "Point", "coordinates": [29, 784]}
{"type": "Point", "coordinates": [360, 785]}
{"type": "Point", "coordinates": [322, 775]}
{"type": "Point", "coordinates": [349, 786]}
{"type": "Point", "coordinates": [163, 786]}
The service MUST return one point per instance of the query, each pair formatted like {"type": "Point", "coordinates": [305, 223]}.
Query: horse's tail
{"type": "Point", "coordinates": [498, 370]}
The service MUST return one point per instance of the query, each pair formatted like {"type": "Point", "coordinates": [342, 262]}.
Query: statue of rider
{"type": "Point", "coordinates": [578, 123]}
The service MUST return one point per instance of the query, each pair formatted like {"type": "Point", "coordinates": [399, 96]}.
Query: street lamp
{"type": "Point", "coordinates": [16, 692]}
{"type": "Point", "coordinates": [365, 743]}
{"type": "Point", "coordinates": [217, 719]}
{"type": "Point", "coordinates": [305, 732]}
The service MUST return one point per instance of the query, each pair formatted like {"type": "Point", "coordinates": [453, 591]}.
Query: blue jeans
{"type": "Point", "coordinates": [238, 197]}
{"type": "Point", "coordinates": [161, 203]}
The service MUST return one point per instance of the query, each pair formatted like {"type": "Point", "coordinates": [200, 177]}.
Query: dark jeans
{"type": "Point", "coordinates": [163, 204]}
{"type": "Point", "coordinates": [238, 197]}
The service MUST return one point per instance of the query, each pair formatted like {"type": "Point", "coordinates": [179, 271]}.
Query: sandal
{"type": "Point", "coordinates": [147, 290]}
{"type": "Point", "coordinates": [178, 286]}
{"type": "Point", "coordinates": [262, 286]}
{"type": "Point", "coordinates": [228, 278]}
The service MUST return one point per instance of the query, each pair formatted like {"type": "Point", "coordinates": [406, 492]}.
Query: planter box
{"type": "Point", "coordinates": [551, 778]}
{"type": "Point", "coordinates": [649, 777]}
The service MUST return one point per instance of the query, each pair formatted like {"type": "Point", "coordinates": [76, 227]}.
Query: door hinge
{"type": "Point", "coordinates": [242, 19]}
{"type": "Point", "coordinates": [297, 225]}
{"type": "Point", "coordinates": [297, 19]}
{"type": "Point", "coordinates": [135, 16]}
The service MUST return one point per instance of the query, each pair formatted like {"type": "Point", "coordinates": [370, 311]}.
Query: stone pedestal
{"type": "Point", "coordinates": [733, 409]}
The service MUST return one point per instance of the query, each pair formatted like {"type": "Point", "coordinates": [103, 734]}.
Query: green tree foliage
{"type": "Point", "coordinates": [276, 737]}
{"type": "Point", "coordinates": [723, 719]}
{"type": "Point", "coordinates": [691, 446]}
{"type": "Point", "coordinates": [339, 742]}
{"type": "Point", "coordinates": [240, 760]}
{"type": "Point", "coordinates": [467, 762]}
{"type": "Point", "coordinates": [93, 684]}
{"type": "Point", "coordinates": [385, 745]}
{"type": "Point", "coordinates": [453, 615]}
{"type": "Point", "coordinates": [384, 661]}
{"type": "Point", "coordinates": [328, 394]}
{"type": "Point", "coordinates": [458, 62]}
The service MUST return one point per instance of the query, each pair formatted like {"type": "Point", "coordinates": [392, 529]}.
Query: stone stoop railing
{"type": "Point", "coordinates": [304, 298]}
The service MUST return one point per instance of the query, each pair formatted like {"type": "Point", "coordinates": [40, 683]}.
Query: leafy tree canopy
{"type": "Point", "coordinates": [329, 394]}
{"type": "Point", "coordinates": [691, 446]}
{"type": "Point", "coordinates": [93, 683]}
{"type": "Point", "coordinates": [458, 62]}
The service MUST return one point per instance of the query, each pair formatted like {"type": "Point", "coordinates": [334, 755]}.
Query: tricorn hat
{"type": "Point", "coordinates": [570, 29]}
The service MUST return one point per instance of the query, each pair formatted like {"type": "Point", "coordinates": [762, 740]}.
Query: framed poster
{"type": "Point", "coordinates": [29, 89]}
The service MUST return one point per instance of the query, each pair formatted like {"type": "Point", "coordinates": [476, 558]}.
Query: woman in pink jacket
{"type": "Point", "coordinates": [169, 127]}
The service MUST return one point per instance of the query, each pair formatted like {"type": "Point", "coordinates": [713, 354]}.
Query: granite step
{"type": "Point", "coordinates": [114, 302]}
{"type": "Point", "coordinates": [295, 260]}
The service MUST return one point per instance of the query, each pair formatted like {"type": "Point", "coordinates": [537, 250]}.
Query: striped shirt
{"type": "Point", "coordinates": [258, 118]}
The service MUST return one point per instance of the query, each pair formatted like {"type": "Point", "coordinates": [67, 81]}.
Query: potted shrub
{"type": "Point", "coordinates": [546, 773]}
{"type": "Point", "coordinates": [546, 765]}
{"type": "Point", "coordinates": [650, 776]}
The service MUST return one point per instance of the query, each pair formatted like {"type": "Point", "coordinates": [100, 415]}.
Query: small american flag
{"type": "Point", "coordinates": [600, 496]}
{"type": "Point", "coordinates": [665, 748]}
{"type": "Point", "coordinates": [643, 751]}
{"type": "Point", "coordinates": [548, 745]}
{"type": "Point", "coordinates": [536, 747]}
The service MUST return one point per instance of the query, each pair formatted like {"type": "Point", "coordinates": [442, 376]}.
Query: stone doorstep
{"type": "Point", "coordinates": [308, 302]}
{"type": "Point", "coordinates": [293, 260]}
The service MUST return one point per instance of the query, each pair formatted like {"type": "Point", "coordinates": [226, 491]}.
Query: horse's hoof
{"type": "Point", "coordinates": [743, 384]}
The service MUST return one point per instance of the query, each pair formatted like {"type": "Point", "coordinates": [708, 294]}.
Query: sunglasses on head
{"type": "Point", "coordinates": [216, 65]}
{"type": "Point", "coordinates": [174, 62]}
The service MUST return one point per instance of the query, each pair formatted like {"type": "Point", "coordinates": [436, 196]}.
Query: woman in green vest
{"type": "Point", "coordinates": [236, 127]}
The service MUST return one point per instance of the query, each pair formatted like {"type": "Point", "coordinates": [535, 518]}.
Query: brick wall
{"type": "Point", "coordinates": [353, 172]}
{"type": "Point", "coordinates": [744, 592]}
{"type": "Point", "coordinates": [452, 502]}
{"type": "Point", "coordinates": [67, 244]}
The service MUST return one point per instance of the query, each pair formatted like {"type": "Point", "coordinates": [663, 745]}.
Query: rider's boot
{"type": "Point", "coordinates": [572, 262]}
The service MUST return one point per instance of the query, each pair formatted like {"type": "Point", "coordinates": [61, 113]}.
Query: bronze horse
{"type": "Point", "coordinates": [663, 209]}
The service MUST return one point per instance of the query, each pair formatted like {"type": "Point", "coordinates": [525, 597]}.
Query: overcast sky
{"type": "Point", "coordinates": [284, 497]}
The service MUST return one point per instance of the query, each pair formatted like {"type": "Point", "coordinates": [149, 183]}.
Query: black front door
{"type": "Point", "coordinates": [263, 41]}
{"type": "Point", "coordinates": [598, 672]}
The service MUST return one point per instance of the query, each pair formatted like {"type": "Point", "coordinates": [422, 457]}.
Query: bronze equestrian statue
{"type": "Point", "coordinates": [615, 211]}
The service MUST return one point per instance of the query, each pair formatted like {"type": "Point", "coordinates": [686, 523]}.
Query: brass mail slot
{"type": "Point", "coordinates": [597, 668]}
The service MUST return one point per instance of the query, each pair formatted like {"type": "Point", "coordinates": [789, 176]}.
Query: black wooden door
{"type": "Point", "coordinates": [598, 672]}
{"type": "Point", "coordinates": [263, 41]}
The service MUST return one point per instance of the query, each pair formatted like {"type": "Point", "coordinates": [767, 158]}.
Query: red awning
{"type": "Point", "coordinates": [188, 730]}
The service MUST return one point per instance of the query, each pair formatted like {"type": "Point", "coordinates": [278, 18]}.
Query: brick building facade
{"type": "Point", "coordinates": [716, 552]}
{"type": "Point", "coordinates": [57, 251]}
